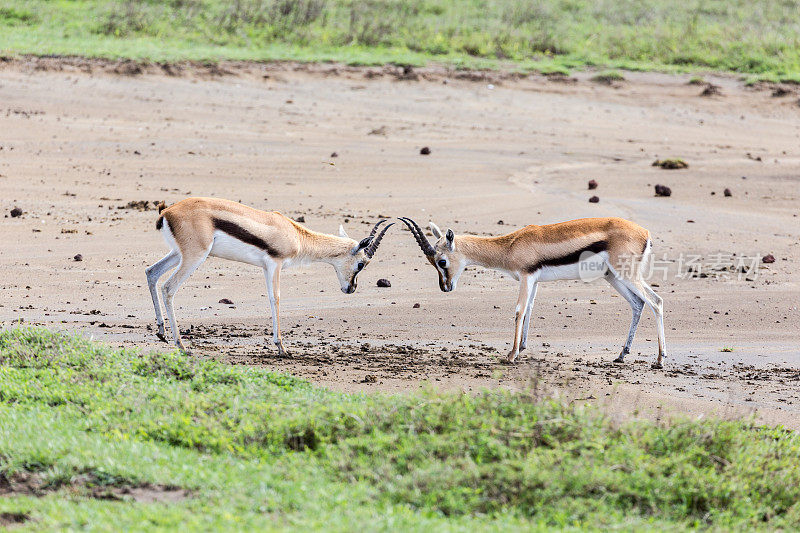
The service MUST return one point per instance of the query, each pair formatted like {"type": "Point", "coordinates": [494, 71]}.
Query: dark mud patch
{"type": "Point", "coordinates": [8, 519]}
{"type": "Point", "coordinates": [89, 486]}
{"type": "Point", "coordinates": [318, 358]}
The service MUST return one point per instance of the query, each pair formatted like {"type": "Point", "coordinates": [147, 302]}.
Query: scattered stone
{"type": "Point", "coordinates": [727, 192]}
{"type": "Point", "coordinates": [16, 212]}
{"type": "Point", "coordinates": [500, 223]}
{"type": "Point", "coordinates": [425, 151]}
{"type": "Point", "coordinates": [334, 154]}
{"type": "Point", "coordinates": [78, 257]}
{"type": "Point", "coordinates": [415, 306]}
{"type": "Point", "coordinates": [369, 378]}
{"type": "Point", "coordinates": [670, 164]}
{"type": "Point", "coordinates": [663, 190]}
{"type": "Point", "coordinates": [754, 157]}
{"type": "Point", "coordinates": [769, 258]}
{"type": "Point", "coordinates": [384, 283]}
{"type": "Point", "coordinates": [378, 131]}
{"type": "Point", "coordinates": [592, 185]}
{"type": "Point", "coordinates": [780, 91]}
{"type": "Point", "coordinates": [711, 90]}
{"type": "Point", "coordinates": [594, 200]}
{"type": "Point", "coordinates": [300, 219]}
{"type": "Point", "coordinates": [141, 205]}
{"type": "Point", "coordinates": [226, 301]}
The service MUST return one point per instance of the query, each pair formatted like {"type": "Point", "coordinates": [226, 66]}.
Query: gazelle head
{"type": "Point", "coordinates": [349, 264]}
{"type": "Point", "coordinates": [444, 255]}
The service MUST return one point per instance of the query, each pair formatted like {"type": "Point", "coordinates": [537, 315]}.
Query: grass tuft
{"type": "Point", "coordinates": [608, 77]}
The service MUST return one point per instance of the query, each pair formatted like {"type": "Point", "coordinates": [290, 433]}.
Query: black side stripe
{"type": "Point", "coordinates": [240, 233]}
{"type": "Point", "coordinates": [159, 223]}
{"type": "Point", "coordinates": [574, 257]}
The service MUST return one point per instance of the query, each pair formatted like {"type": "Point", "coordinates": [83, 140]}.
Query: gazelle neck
{"type": "Point", "coordinates": [324, 247]}
{"type": "Point", "coordinates": [483, 251]}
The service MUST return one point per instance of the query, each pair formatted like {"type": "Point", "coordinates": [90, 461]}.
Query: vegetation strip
{"type": "Point", "coordinates": [256, 449]}
{"type": "Point", "coordinates": [753, 37]}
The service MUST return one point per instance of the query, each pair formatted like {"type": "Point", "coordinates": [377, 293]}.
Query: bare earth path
{"type": "Point", "coordinates": [77, 145]}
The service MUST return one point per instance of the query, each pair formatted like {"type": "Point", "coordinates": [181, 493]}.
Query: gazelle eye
{"type": "Point", "coordinates": [359, 266]}
{"type": "Point", "coordinates": [442, 263]}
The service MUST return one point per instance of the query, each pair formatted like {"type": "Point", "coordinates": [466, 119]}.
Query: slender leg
{"type": "Point", "coordinates": [656, 303]}
{"type": "Point", "coordinates": [171, 286]}
{"type": "Point", "coordinates": [525, 288]}
{"type": "Point", "coordinates": [636, 303]}
{"type": "Point", "coordinates": [154, 273]}
{"type": "Point", "coordinates": [527, 322]}
{"type": "Point", "coordinates": [272, 273]}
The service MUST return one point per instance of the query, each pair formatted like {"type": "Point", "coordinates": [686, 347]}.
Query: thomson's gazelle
{"type": "Point", "coordinates": [196, 228]}
{"type": "Point", "coordinates": [613, 248]}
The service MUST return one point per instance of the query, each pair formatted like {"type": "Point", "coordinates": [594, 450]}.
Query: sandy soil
{"type": "Point", "coordinates": [81, 139]}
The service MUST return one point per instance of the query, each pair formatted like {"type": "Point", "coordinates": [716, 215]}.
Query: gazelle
{"type": "Point", "coordinates": [567, 250]}
{"type": "Point", "coordinates": [196, 228]}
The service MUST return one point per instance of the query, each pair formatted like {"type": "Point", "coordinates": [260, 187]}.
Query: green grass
{"type": "Point", "coordinates": [757, 37]}
{"type": "Point", "coordinates": [266, 451]}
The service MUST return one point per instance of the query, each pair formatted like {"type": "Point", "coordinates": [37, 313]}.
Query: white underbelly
{"type": "Point", "coordinates": [227, 247]}
{"type": "Point", "coordinates": [591, 267]}
{"type": "Point", "coordinates": [554, 273]}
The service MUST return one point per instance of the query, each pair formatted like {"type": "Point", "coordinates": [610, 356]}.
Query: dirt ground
{"type": "Point", "coordinates": [80, 140]}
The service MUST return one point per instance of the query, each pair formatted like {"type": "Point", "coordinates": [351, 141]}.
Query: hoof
{"type": "Point", "coordinates": [619, 359]}
{"type": "Point", "coordinates": [161, 336]}
{"type": "Point", "coordinates": [656, 366]}
{"type": "Point", "coordinates": [510, 358]}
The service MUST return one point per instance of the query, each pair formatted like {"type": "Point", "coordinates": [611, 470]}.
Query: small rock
{"type": "Point", "coordinates": [663, 190]}
{"type": "Point", "coordinates": [334, 154]}
{"type": "Point", "coordinates": [500, 222]}
{"type": "Point", "coordinates": [384, 283]}
{"type": "Point", "coordinates": [226, 301]}
{"type": "Point", "coordinates": [369, 378]}
{"type": "Point", "coordinates": [79, 257]}
{"type": "Point", "coordinates": [727, 192]}
{"type": "Point", "coordinates": [769, 258]}
{"type": "Point", "coordinates": [425, 151]}
{"type": "Point", "coordinates": [415, 306]}
{"type": "Point", "coordinates": [16, 212]}
{"type": "Point", "coordinates": [300, 219]}
{"type": "Point", "coordinates": [592, 185]}
{"type": "Point", "coordinates": [711, 90]}
{"type": "Point", "coordinates": [594, 200]}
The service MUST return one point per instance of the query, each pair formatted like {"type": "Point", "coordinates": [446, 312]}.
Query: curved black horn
{"type": "Point", "coordinates": [370, 250]}
{"type": "Point", "coordinates": [375, 227]}
{"type": "Point", "coordinates": [423, 242]}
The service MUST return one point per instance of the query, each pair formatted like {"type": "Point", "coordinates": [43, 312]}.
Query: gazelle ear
{"type": "Point", "coordinates": [450, 236]}
{"type": "Point", "coordinates": [435, 230]}
{"type": "Point", "coordinates": [342, 232]}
